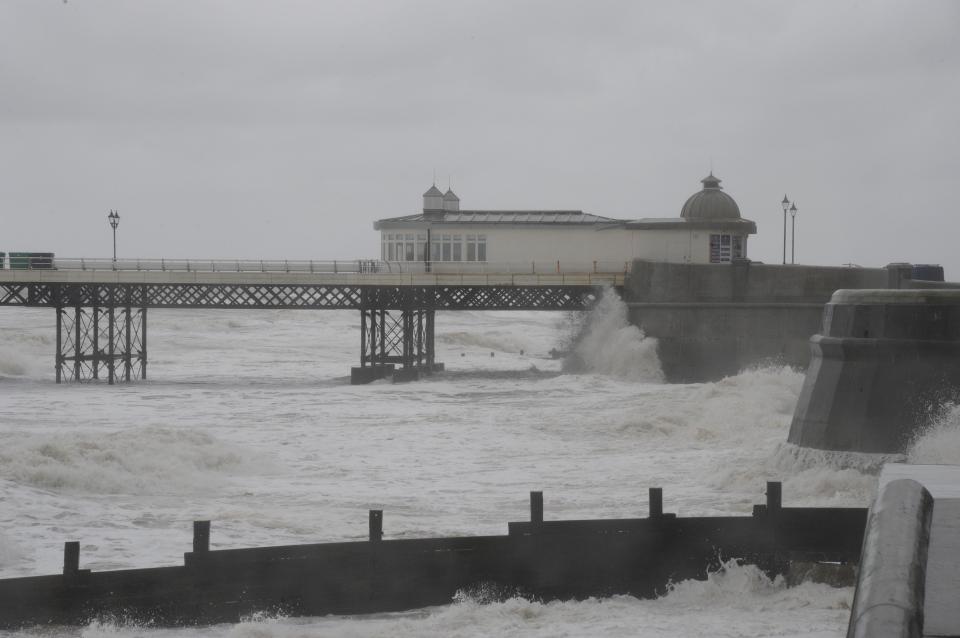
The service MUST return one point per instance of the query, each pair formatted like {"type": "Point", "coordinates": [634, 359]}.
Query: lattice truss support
{"type": "Point", "coordinates": [101, 343]}
{"type": "Point", "coordinates": [14, 294]}
{"type": "Point", "coordinates": [320, 296]}
{"type": "Point", "coordinates": [399, 337]}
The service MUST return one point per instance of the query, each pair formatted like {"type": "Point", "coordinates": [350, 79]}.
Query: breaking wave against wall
{"type": "Point", "coordinates": [609, 344]}
{"type": "Point", "coordinates": [939, 442]}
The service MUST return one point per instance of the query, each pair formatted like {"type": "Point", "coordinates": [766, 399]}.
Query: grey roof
{"type": "Point", "coordinates": [450, 195]}
{"type": "Point", "coordinates": [710, 203]}
{"type": "Point", "coordinates": [737, 224]}
{"type": "Point", "coordinates": [433, 191]}
{"type": "Point", "coordinates": [552, 217]}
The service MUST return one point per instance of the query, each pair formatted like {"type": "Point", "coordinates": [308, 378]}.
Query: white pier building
{"type": "Point", "coordinates": [708, 230]}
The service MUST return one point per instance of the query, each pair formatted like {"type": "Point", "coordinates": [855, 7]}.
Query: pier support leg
{"type": "Point", "coordinates": [143, 343]}
{"type": "Point", "coordinates": [96, 342]}
{"type": "Point", "coordinates": [111, 352]}
{"type": "Point", "coordinates": [58, 356]}
{"type": "Point", "coordinates": [395, 343]}
{"type": "Point", "coordinates": [101, 336]}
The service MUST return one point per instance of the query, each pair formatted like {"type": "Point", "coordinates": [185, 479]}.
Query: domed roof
{"type": "Point", "coordinates": [711, 202]}
{"type": "Point", "coordinates": [433, 192]}
{"type": "Point", "coordinates": [450, 196]}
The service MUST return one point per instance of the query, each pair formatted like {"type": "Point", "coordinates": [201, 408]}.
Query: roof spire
{"type": "Point", "coordinates": [710, 181]}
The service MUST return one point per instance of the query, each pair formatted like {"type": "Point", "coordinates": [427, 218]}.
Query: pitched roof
{"type": "Point", "coordinates": [687, 223]}
{"type": "Point", "coordinates": [551, 217]}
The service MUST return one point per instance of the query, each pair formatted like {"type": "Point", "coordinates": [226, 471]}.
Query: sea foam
{"type": "Point", "coordinates": [152, 460]}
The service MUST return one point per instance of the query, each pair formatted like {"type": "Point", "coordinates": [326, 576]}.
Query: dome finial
{"type": "Point", "coordinates": [710, 181]}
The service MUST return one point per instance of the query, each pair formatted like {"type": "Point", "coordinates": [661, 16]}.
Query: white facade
{"type": "Point", "coordinates": [704, 233]}
{"type": "Point", "coordinates": [506, 244]}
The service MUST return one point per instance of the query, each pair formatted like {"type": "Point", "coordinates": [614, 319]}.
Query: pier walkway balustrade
{"type": "Point", "coordinates": [101, 304]}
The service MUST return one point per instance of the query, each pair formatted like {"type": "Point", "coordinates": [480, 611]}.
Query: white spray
{"type": "Point", "coordinates": [610, 345]}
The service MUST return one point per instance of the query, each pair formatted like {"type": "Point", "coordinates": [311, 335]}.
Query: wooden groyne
{"type": "Point", "coordinates": [536, 558]}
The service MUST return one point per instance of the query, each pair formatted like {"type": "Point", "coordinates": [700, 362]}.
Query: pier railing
{"type": "Point", "coordinates": [349, 266]}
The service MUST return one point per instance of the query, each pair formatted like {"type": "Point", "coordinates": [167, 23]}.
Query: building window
{"type": "Point", "coordinates": [421, 244]}
{"type": "Point", "coordinates": [725, 247]}
{"type": "Point", "coordinates": [446, 248]}
{"type": "Point", "coordinates": [440, 247]}
{"type": "Point", "coordinates": [471, 247]}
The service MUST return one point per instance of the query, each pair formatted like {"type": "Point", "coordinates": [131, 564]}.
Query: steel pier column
{"type": "Point", "coordinates": [59, 356]}
{"type": "Point", "coordinates": [127, 354]}
{"type": "Point", "coordinates": [77, 348]}
{"type": "Point", "coordinates": [111, 352]}
{"type": "Point", "coordinates": [143, 341]}
{"type": "Point", "coordinates": [429, 338]}
{"type": "Point", "coordinates": [363, 338]}
{"type": "Point", "coordinates": [96, 338]}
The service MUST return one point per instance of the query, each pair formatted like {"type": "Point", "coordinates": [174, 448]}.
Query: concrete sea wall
{"type": "Point", "coordinates": [885, 361]}
{"type": "Point", "coordinates": [713, 320]}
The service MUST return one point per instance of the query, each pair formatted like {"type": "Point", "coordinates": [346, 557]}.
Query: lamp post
{"type": "Point", "coordinates": [793, 232]}
{"type": "Point", "coordinates": [786, 204]}
{"type": "Point", "coordinates": [114, 219]}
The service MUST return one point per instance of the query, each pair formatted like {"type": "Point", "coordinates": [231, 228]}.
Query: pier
{"type": "Point", "coordinates": [101, 305]}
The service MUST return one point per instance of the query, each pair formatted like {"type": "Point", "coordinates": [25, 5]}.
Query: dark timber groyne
{"type": "Point", "coordinates": [538, 558]}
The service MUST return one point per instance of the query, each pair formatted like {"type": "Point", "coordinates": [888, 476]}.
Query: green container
{"type": "Point", "coordinates": [31, 261]}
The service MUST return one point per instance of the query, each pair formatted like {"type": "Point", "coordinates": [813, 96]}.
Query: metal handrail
{"type": "Point", "coordinates": [342, 267]}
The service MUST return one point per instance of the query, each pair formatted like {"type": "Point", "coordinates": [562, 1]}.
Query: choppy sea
{"type": "Point", "coordinates": [248, 420]}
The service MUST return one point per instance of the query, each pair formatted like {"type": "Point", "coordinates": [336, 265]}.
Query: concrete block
{"type": "Point", "coordinates": [885, 361]}
{"type": "Point", "coordinates": [360, 375]}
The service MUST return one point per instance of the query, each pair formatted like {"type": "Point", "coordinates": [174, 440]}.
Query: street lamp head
{"type": "Point", "coordinates": [114, 219]}
{"type": "Point", "coordinates": [785, 203]}
{"type": "Point", "coordinates": [793, 209]}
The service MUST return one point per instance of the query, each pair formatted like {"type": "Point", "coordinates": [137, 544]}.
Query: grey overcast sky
{"type": "Point", "coordinates": [283, 129]}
